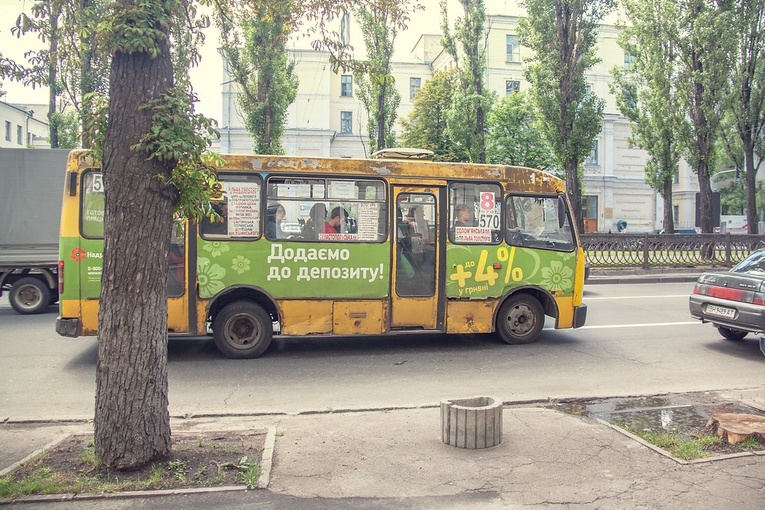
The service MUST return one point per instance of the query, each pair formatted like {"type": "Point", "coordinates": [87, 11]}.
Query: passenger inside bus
{"type": "Point", "coordinates": [336, 219]}
{"type": "Point", "coordinates": [274, 216]}
{"type": "Point", "coordinates": [462, 216]}
{"type": "Point", "coordinates": [315, 222]}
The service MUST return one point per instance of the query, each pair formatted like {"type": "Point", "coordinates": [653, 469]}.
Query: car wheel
{"type": "Point", "coordinates": [520, 319]}
{"type": "Point", "coordinates": [242, 330]}
{"type": "Point", "coordinates": [732, 334]}
{"type": "Point", "coordinates": [29, 295]}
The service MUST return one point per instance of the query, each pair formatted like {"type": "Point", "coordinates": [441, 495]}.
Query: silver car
{"type": "Point", "coordinates": [733, 301]}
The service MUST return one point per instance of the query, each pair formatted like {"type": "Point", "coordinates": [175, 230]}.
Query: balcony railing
{"type": "Point", "coordinates": [669, 250]}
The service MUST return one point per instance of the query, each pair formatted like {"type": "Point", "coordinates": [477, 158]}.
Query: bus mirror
{"type": "Point", "coordinates": [561, 212]}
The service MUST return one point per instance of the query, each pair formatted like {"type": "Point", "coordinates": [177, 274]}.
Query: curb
{"type": "Point", "coordinates": [648, 278]}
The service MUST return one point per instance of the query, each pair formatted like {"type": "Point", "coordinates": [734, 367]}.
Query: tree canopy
{"type": "Point", "coordinates": [563, 35]}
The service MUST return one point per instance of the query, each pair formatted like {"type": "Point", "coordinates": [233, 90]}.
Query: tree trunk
{"type": "Point", "coordinates": [750, 179]}
{"type": "Point", "coordinates": [381, 118]}
{"type": "Point", "coordinates": [132, 422]}
{"type": "Point", "coordinates": [669, 217]}
{"type": "Point", "coordinates": [52, 77]}
{"type": "Point", "coordinates": [574, 193]}
{"type": "Point", "coordinates": [86, 72]}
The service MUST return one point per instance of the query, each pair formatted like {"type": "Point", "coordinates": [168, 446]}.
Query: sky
{"type": "Point", "coordinates": [206, 78]}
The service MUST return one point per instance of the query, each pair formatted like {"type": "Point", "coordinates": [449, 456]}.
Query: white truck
{"type": "Point", "coordinates": [31, 192]}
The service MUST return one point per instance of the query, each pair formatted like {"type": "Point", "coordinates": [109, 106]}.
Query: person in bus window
{"type": "Point", "coordinates": [274, 216]}
{"type": "Point", "coordinates": [315, 222]}
{"type": "Point", "coordinates": [336, 219]}
{"type": "Point", "coordinates": [462, 216]}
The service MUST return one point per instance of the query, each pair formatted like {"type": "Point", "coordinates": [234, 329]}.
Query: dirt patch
{"type": "Point", "coordinates": [207, 459]}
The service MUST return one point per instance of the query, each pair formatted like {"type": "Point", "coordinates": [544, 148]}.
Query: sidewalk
{"type": "Point", "coordinates": [639, 275]}
{"type": "Point", "coordinates": [395, 459]}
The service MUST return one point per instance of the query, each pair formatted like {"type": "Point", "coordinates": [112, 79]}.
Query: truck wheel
{"type": "Point", "coordinates": [29, 295]}
{"type": "Point", "coordinates": [520, 319]}
{"type": "Point", "coordinates": [242, 330]}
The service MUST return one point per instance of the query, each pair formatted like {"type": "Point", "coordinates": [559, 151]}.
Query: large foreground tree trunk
{"type": "Point", "coordinates": [132, 422]}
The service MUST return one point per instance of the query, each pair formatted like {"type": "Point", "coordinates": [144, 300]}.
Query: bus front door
{"type": "Point", "coordinates": [178, 313]}
{"type": "Point", "coordinates": [415, 287]}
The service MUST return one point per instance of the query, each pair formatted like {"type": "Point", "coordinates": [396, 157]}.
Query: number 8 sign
{"type": "Point", "coordinates": [487, 201]}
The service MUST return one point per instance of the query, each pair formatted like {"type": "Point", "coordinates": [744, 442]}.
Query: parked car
{"type": "Point", "coordinates": [733, 301]}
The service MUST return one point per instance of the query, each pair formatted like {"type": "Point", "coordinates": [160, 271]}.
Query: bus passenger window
{"type": "Point", "coordinates": [217, 226]}
{"type": "Point", "coordinates": [475, 213]}
{"type": "Point", "coordinates": [237, 210]}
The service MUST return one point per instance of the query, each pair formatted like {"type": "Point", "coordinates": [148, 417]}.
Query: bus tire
{"type": "Point", "coordinates": [29, 295]}
{"type": "Point", "coordinates": [520, 319]}
{"type": "Point", "coordinates": [242, 330]}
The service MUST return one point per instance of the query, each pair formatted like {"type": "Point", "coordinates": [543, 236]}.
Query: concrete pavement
{"type": "Point", "coordinates": [394, 458]}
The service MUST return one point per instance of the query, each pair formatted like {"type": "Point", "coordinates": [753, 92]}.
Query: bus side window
{"type": "Point", "coordinates": [475, 213]}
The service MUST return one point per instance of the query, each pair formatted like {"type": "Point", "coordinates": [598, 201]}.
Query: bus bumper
{"type": "Point", "coordinates": [68, 327]}
{"type": "Point", "coordinates": [580, 315]}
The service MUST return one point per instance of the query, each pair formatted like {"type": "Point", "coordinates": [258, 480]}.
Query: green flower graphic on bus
{"type": "Point", "coordinates": [210, 277]}
{"type": "Point", "coordinates": [216, 248]}
{"type": "Point", "coordinates": [240, 264]}
{"type": "Point", "coordinates": [557, 276]}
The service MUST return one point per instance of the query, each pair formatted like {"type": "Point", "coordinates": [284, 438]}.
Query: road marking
{"type": "Point", "coordinates": [637, 297]}
{"type": "Point", "coordinates": [649, 325]}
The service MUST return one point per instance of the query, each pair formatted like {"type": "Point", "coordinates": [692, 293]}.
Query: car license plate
{"type": "Point", "coordinates": [721, 311]}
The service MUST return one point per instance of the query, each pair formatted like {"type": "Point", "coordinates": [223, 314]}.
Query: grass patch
{"type": "Point", "coordinates": [203, 460]}
{"type": "Point", "coordinates": [698, 445]}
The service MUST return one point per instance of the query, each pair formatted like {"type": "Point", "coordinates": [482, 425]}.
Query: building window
{"type": "Point", "coordinates": [19, 136]}
{"type": "Point", "coordinates": [629, 59]}
{"type": "Point", "coordinates": [675, 213]}
{"type": "Point", "coordinates": [346, 85]}
{"type": "Point", "coordinates": [414, 86]}
{"type": "Point", "coordinates": [592, 159]}
{"type": "Point", "coordinates": [346, 123]}
{"type": "Point", "coordinates": [513, 48]}
{"type": "Point", "coordinates": [345, 29]}
{"type": "Point", "coordinates": [676, 176]}
{"type": "Point", "coordinates": [7, 131]}
{"type": "Point", "coordinates": [512, 86]}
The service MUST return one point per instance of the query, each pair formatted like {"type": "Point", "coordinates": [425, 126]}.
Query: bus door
{"type": "Point", "coordinates": [178, 310]}
{"type": "Point", "coordinates": [417, 259]}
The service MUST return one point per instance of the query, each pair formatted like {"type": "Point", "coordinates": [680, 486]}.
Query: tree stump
{"type": "Point", "coordinates": [736, 427]}
{"type": "Point", "coordinates": [471, 422]}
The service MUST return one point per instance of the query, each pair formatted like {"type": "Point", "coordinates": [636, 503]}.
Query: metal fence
{"type": "Point", "coordinates": [668, 250]}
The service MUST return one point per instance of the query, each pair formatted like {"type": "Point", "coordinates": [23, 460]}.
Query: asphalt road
{"type": "Point", "coordinates": [639, 339]}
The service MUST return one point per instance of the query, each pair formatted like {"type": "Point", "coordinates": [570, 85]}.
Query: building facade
{"type": "Point", "coordinates": [21, 129]}
{"type": "Point", "coordinates": [328, 119]}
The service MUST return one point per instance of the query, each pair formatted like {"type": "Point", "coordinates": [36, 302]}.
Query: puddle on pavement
{"type": "Point", "coordinates": [683, 415]}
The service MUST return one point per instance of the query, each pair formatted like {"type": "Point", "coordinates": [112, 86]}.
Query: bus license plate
{"type": "Point", "coordinates": [721, 311]}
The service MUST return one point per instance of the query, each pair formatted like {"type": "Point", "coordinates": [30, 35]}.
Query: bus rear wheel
{"type": "Point", "coordinates": [242, 330]}
{"type": "Point", "coordinates": [29, 295]}
{"type": "Point", "coordinates": [520, 320]}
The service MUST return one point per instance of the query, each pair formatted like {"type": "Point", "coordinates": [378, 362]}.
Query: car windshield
{"type": "Point", "coordinates": [754, 263]}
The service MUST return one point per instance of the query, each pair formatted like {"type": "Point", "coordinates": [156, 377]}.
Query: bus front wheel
{"type": "Point", "coordinates": [520, 319]}
{"type": "Point", "coordinates": [242, 330]}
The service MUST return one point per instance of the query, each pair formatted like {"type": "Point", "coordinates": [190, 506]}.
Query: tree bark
{"type": "Point", "coordinates": [132, 422]}
{"type": "Point", "coordinates": [52, 78]}
{"type": "Point", "coordinates": [669, 217]}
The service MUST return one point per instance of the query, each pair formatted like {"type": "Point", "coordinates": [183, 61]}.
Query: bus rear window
{"type": "Point", "coordinates": [93, 205]}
